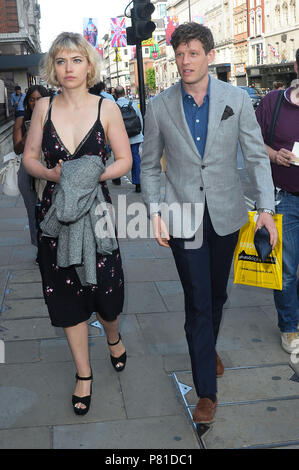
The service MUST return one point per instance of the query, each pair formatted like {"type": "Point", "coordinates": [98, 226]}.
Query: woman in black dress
{"type": "Point", "coordinates": [72, 124]}
{"type": "Point", "coordinates": [26, 182]}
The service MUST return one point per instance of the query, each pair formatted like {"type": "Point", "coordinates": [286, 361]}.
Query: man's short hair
{"type": "Point", "coordinates": [119, 91]}
{"type": "Point", "coordinates": [297, 57]}
{"type": "Point", "coordinates": [17, 88]}
{"type": "Point", "coordinates": [188, 31]}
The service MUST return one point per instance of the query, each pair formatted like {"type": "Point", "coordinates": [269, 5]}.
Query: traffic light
{"type": "Point", "coordinates": [142, 26]}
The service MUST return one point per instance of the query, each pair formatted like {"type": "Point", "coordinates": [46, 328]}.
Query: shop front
{"type": "Point", "coordinates": [263, 76]}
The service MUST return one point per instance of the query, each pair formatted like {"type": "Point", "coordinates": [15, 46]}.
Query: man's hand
{"type": "Point", "coordinates": [267, 220]}
{"type": "Point", "coordinates": [283, 157]}
{"type": "Point", "coordinates": [160, 231]}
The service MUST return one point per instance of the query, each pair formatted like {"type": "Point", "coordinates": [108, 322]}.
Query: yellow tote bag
{"type": "Point", "coordinates": [248, 268]}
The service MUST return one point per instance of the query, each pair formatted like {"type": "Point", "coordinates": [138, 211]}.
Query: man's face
{"type": "Point", "coordinates": [18, 92]}
{"type": "Point", "coordinates": [192, 61]}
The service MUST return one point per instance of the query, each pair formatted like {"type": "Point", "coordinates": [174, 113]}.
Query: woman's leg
{"type": "Point", "coordinates": [77, 337]}
{"type": "Point", "coordinates": [112, 335]}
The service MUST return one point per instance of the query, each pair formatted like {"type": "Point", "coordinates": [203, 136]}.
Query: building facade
{"type": "Point", "coordinates": [240, 50]}
{"type": "Point", "coordinates": [273, 41]}
{"type": "Point", "coordinates": [19, 27]}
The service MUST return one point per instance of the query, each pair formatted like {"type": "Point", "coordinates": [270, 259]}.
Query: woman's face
{"type": "Point", "coordinates": [33, 98]}
{"type": "Point", "coordinates": [71, 69]}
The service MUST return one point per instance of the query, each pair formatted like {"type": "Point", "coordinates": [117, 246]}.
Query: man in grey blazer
{"type": "Point", "coordinates": [199, 122]}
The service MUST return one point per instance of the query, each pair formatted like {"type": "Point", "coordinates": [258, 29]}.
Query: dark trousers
{"type": "Point", "coordinates": [204, 274]}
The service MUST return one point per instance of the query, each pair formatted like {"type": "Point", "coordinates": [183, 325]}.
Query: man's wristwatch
{"type": "Point", "coordinates": [268, 211]}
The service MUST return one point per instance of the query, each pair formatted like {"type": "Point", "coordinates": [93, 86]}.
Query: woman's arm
{"type": "Point", "coordinates": [18, 138]}
{"type": "Point", "coordinates": [117, 136]}
{"type": "Point", "coordinates": [31, 158]}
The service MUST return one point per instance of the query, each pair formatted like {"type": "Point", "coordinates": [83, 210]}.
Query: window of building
{"type": "Point", "coordinates": [259, 22]}
{"type": "Point", "coordinates": [252, 24]}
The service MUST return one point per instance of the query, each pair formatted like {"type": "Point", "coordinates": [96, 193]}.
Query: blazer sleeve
{"type": "Point", "coordinates": [152, 150]}
{"type": "Point", "coordinates": [255, 156]}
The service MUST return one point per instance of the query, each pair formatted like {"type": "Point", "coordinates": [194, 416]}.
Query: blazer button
{"type": "Point", "coordinates": [203, 167]}
{"type": "Point", "coordinates": [201, 188]}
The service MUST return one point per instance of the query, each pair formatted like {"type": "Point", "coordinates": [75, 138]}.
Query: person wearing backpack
{"type": "Point", "coordinates": [134, 125]}
{"type": "Point", "coordinates": [278, 117]}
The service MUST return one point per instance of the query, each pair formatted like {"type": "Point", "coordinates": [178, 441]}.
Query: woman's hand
{"type": "Point", "coordinates": [54, 173]}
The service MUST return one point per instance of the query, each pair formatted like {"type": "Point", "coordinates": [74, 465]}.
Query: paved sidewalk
{"type": "Point", "coordinates": [149, 404]}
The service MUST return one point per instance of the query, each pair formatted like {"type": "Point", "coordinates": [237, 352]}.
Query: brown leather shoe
{"type": "Point", "coordinates": [205, 411]}
{"type": "Point", "coordinates": [219, 367]}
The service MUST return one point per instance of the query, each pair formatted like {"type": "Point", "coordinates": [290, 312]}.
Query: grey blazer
{"type": "Point", "coordinates": [213, 177]}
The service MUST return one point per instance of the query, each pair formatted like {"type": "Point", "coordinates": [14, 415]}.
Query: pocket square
{"type": "Point", "coordinates": [262, 243]}
{"type": "Point", "coordinates": [227, 113]}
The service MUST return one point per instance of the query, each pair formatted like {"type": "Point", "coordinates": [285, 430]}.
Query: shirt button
{"type": "Point", "coordinates": [189, 96]}
{"type": "Point", "coordinates": [194, 104]}
{"type": "Point", "coordinates": [198, 138]}
{"type": "Point", "coordinates": [197, 120]}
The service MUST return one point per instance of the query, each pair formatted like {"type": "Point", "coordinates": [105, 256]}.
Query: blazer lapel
{"type": "Point", "coordinates": [174, 105]}
{"type": "Point", "coordinates": [216, 109]}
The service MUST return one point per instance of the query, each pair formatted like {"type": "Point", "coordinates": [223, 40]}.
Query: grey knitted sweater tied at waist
{"type": "Point", "coordinates": [80, 217]}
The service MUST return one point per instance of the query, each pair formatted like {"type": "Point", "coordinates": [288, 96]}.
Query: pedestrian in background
{"type": "Point", "coordinates": [68, 127]}
{"type": "Point", "coordinates": [280, 137]}
{"type": "Point", "coordinates": [136, 140]}
{"type": "Point", "coordinates": [17, 101]}
{"type": "Point", "coordinates": [26, 182]}
{"type": "Point", "coordinates": [99, 90]}
{"type": "Point", "coordinates": [199, 122]}
{"type": "Point", "coordinates": [278, 86]}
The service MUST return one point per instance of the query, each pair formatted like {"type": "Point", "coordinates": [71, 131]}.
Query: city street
{"type": "Point", "coordinates": [149, 404]}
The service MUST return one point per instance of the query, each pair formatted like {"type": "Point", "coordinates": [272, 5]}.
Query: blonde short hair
{"type": "Point", "coordinates": [71, 42]}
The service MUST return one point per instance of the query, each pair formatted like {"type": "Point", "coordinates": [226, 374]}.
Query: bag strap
{"type": "Point", "coordinates": [278, 104]}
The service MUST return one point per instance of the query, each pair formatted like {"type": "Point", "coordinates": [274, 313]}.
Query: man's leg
{"type": "Point", "coordinates": [286, 301]}
{"type": "Point", "coordinates": [204, 274]}
{"type": "Point", "coordinates": [136, 166]}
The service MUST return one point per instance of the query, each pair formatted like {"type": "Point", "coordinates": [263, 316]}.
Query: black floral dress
{"type": "Point", "coordinates": [68, 302]}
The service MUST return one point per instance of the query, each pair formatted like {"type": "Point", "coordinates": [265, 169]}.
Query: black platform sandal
{"type": "Point", "coordinates": [84, 400]}
{"type": "Point", "coordinates": [116, 361]}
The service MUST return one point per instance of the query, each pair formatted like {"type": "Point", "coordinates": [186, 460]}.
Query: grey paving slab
{"type": "Point", "coordinates": [176, 362]}
{"type": "Point", "coordinates": [7, 201]}
{"type": "Point", "coordinates": [245, 327]}
{"type": "Point", "coordinates": [30, 290]}
{"type": "Point", "coordinates": [14, 238]}
{"type": "Point", "coordinates": [142, 297]}
{"type": "Point", "coordinates": [164, 333]}
{"type": "Point", "coordinates": [135, 250]}
{"type": "Point", "coordinates": [242, 385]}
{"type": "Point", "coordinates": [165, 432]}
{"type": "Point", "coordinates": [247, 296]}
{"type": "Point", "coordinates": [40, 395]}
{"type": "Point", "coordinates": [23, 256]}
{"type": "Point", "coordinates": [26, 438]}
{"type": "Point", "coordinates": [25, 275]}
{"type": "Point", "coordinates": [28, 308]}
{"type": "Point", "coordinates": [271, 353]}
{"type": "Point", "coordinates": [11, 213]}
{"type": "Point", "coordinates": [172, 293]}
{"type": "Point", "coordinates": [150, 270]}
{"type": "Point", "coordinates": [254, 424]}
{"type": "Point", "coordinates": [29, 329]}
{"type": "Point", "coordinates": [5, 255]}
{"type": "Point", "coordinates": [20, 352]}
{"type": "Point", "coordinates": [148, 390]}
{"type": "Point", "coordinates": [11, 224]}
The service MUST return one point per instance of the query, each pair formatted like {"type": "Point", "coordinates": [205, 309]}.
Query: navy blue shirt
{"type": "Point", "coordinates": [197, 118]}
